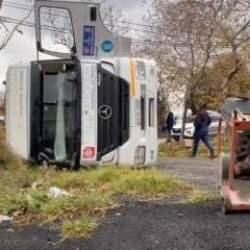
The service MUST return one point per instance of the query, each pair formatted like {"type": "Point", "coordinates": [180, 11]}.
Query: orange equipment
{"type": "Point", "coordinates": [235, 167]}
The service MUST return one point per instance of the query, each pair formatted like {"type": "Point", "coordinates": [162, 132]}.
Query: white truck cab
{"type": "Point", "coordinates": [95, 104]}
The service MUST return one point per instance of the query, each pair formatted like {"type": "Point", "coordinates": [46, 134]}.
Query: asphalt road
{"type": "Point", "coordinates": [202, 173]}
{"type": "Point", "coordinates": [147, 226]}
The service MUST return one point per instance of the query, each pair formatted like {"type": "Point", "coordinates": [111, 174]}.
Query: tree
{"type": "Point", "coordinates": [189, 37]}
{"type": "Point", "coordinates": [184, 45]}
{"type": "Point", "coordinates": [115, 19]}
{"type": "Point", "coordinates": [209, 89]}
{"type": "Point", "coordinates": [194, 32]}
{"type": "Point", "coordinates": [8, 33]}
{"type": "Point", "coordinates": [234, 33]}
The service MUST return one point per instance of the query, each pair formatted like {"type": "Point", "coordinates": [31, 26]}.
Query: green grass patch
{"type": "Point", "coordinates": [77, 229]}
{"type": "Point", "coordinates": [6, 157]}
{"type": "Point", "coordinates": [92, 194]}
{"type": "Point", "coordinates": [180, 150]}
{"type": "Point", "coordinates": [201, 197]}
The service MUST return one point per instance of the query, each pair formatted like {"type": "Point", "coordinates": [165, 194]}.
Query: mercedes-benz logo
{"type": "Point", "coordinates": [105, 112]}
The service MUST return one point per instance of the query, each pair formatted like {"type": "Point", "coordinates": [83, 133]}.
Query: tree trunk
{"type": "Point", "coordinates": [184, 121]}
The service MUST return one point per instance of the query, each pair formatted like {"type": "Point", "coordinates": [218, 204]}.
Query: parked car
{"type": "Point", "coordinates": [176, 131]}
{"type": "Point", "coordinates": [189, 126]}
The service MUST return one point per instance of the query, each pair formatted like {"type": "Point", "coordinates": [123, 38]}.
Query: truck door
{"type": "Point", "coordinates": [113, 112]}
{"type": "Point", "coordinates": [65, 29]}
{"type": "Point", "coordinates": [55, 112]}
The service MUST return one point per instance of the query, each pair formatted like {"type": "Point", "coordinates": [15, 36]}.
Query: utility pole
{"type": "Point", "coordinates": [1, 1]}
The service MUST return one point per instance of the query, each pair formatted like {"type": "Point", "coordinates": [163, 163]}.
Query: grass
{"type": "Point", "coordinates": [81, 228]}
{"type": "Point", "coordinates": [201, 197]}
{"type": "Point", "coordinates": [179, 150]}
{"type": "Point", "coordinates": [92, 193]}
{"type": "Point", "coordinates": [5, 156]}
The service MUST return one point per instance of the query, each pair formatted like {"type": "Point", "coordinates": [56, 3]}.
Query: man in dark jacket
{"type": "Point", "coordinates": [169, 125]}
{"type": "Point", "coordinates": [201, 124]}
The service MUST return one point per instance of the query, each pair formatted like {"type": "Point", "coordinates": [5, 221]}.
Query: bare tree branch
{"type": "Point", "coordinates": [12, 32]}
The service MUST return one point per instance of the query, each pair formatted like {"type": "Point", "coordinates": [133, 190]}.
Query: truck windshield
{"type": "Point", "coordinates": [58, 121]}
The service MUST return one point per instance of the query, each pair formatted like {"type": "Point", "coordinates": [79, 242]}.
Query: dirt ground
{"type": "Point", "coordinates": [153, 225]}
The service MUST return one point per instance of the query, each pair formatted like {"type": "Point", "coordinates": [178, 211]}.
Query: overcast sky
{"type": "Point", "coordinates": [22, 47]}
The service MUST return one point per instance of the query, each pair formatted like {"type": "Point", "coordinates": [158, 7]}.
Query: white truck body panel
{"type": "Point", "coordinates": [142, 144]}
{"type": "Point", "coordinates": [146, 138]}
{"type": "Point", "coordinates": [18, 109]}
{"type": "Point", "coordinates": [80, 13]}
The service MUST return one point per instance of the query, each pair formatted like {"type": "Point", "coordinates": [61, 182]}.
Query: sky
{"type": "Point", "coordinates": [21, 48]}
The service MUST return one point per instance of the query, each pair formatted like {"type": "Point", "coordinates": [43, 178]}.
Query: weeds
{"type": "Point", "coordinates": [82, 228]}
{"type": "Point", "coordinates": [199, 197]}
{"type": "Point", "coordinates": [6, 157]}
{"type": "Point", "coordinates": [179, 150]}
{"type": "Point", "coordinates": [93, 193]}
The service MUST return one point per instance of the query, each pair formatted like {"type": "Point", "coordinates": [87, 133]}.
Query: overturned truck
{"type": "Point", "coordinates": [93, 104]}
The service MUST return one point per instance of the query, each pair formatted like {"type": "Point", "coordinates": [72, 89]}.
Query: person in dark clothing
{"type": "Point", "coordinates": [169, 125]}
{"type": "Point", "coordinates": [201, 124]}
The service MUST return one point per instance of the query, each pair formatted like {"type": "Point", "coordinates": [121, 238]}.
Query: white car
{"type": "Point", "coordinates": [189, 126]}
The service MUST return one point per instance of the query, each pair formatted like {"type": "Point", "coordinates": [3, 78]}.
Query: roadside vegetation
{"type": "Point", "coordinates": [212, 61]}
{"type": "Point", "coordinates": [24, 193]}
{"type": "Point", "coordinates": [180, 150]}
{"type": "Point", "coordinates": [202, 197]}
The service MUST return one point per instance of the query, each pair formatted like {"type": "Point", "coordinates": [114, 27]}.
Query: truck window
{"type": "Point", "coordinates": [56, 30]}
{"type": "Point", "coordinates": [143, 107]}
{"type": "Point", "coordinates": [151, 112]}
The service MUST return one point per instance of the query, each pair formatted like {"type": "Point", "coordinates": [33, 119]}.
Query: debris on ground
{"type": "Point", "coordinates": [36, 185]}
{"type": "Point", "coordinates": [55, 192]}
{"type": "Point", "coordinates": [4, 218]}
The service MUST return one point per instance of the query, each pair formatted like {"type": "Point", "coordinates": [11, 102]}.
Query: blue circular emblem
{"type": "Point", "coordinates": [107, 46]}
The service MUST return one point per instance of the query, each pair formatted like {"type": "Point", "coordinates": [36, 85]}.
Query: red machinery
{"type": "Point", "coordinates": [235, 169]}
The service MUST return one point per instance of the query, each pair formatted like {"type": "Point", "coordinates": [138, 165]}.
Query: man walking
{"type": "Point", "coordinates": [201, 124]}
{"type": "Point", "coordinates": [169, 125]}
